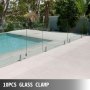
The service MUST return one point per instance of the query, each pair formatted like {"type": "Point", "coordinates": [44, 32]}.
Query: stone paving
{"type": "Point", "coordinates": [70, 61]}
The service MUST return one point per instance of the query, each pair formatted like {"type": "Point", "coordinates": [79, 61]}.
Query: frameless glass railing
{"type": "Point", "coordinates": [20, 41]}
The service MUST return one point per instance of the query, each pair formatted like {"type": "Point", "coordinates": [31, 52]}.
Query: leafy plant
{"type": "Point", "coordinates": [68, 14]}
{"type": "Point", "coordinates": [81, 6]}
{"type": "Point", "coordinates": [1, 8]}
{"type": "Point", "coordinates": [10, 27]}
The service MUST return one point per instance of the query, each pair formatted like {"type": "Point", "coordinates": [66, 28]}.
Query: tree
{"type": "Point", "coordinates": [82, 6]}
{"type": "Point", "coordinates": [84, 9]}
{"type": "Point", "coordinates": [88, 9]}
{"type": "Point", "coordinates": [3, 9]}
{"type": "Point", "coordinates": [87, 2]}
{"type": "Point", "coordinates": [21, 7]}
{"type": "Point", "coordinates": [68, 14]}
{"type": "Point", "coordinates": [47, 9]}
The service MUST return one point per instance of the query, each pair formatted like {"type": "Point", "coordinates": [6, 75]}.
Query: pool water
{"type": "Point", "coordinates": [11, 42]}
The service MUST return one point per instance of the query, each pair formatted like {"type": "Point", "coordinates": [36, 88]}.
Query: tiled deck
{"type": "Point", "coordinates": [70, 61]}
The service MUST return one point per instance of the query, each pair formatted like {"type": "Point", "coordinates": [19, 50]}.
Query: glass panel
{"type": "Point", "coordinates": [80, 30]}
{"type": "Point", "coordinates": [22, 33]}
{"type": "Point", "coordinates": [34, 39]}
{"type": "Point", "coordinates": [74, 33]}
{"type": "Point", "coordinates": [55, 35]}
{"type": "Point", "coordinates": [12, 43]}
{"type": "Point", "coordinates": [30, 28]}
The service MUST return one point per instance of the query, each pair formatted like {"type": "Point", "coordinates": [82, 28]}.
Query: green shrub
{"type": "Point", "coordinates": [20, 18]}
{"type": "Point", "coordinates": [68, 14]}
{"type": "Point", "coordinates": [37, 25]}
{"type": "Point", "coordinates": [9, 27]}
{"type": "Point", "coordinates": [18, 25]}
{"type": "Point", "coordinates": [14, 18]}
{"type": "Point", "coordinates": [1, 8]}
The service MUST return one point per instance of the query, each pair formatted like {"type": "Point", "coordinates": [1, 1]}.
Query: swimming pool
{"type": "Point", "coordinates": [12, 42]}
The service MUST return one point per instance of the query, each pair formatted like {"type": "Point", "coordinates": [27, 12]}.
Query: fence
{"type": "Point", "coordinates": [26, 41]}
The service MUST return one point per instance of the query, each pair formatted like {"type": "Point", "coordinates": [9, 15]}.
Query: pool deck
{"type": "Point", "coordinates": [70, 61]}
{"type": "Point", "coordinates": [56, 39]}
{"type": "Point", "coordinates": [55, 36]}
